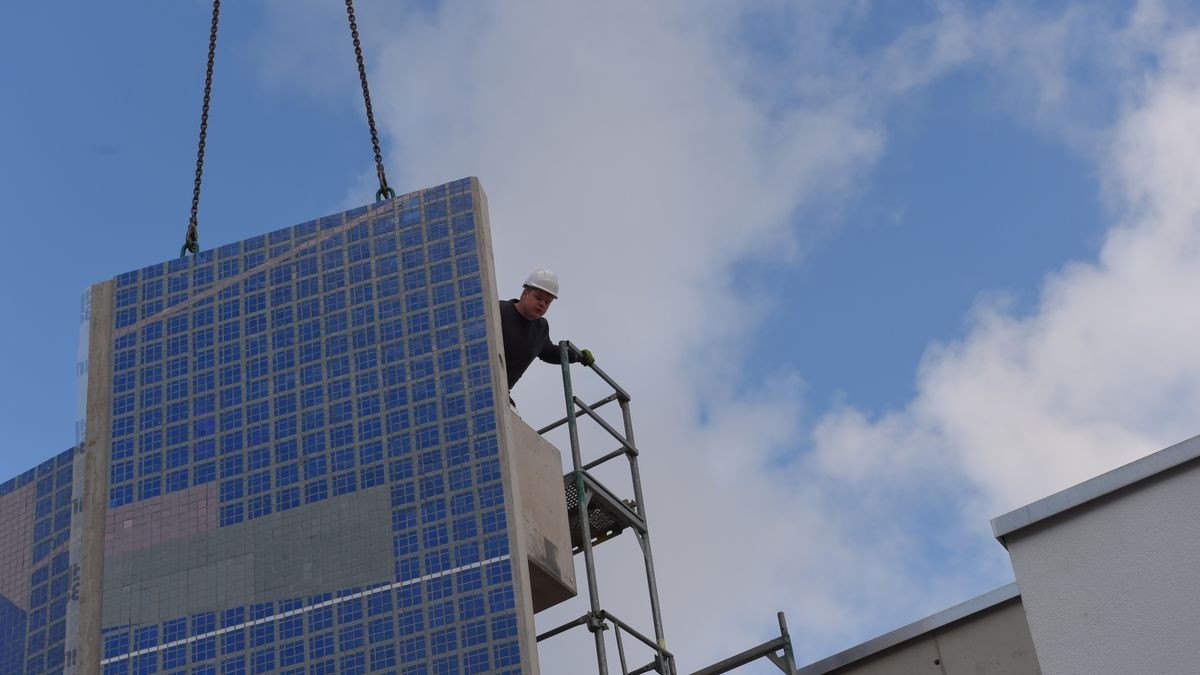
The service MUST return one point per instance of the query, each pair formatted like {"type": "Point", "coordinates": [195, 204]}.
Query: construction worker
{"type": "Point", "coordinates": [526, 331]}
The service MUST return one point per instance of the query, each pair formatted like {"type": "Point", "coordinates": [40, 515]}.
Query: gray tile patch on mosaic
{"type": "Point", "coordinates": [291, 554]}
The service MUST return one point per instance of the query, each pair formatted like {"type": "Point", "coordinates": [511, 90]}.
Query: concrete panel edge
{"type": "Point", "coordinates": [526, 630]}
{"type": "Point", "coordinates": [87, 558]}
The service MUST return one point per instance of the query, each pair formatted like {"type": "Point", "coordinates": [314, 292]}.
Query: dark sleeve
{"type": "Point", "coordinates": [551, 353]}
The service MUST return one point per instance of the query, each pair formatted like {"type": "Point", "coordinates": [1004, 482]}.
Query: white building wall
{"type": "Point", "coordinates": [1113, 585]}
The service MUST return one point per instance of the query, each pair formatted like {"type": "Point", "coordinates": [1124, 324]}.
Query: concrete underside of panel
{"type": "Point", "coordinates": [544, 516]}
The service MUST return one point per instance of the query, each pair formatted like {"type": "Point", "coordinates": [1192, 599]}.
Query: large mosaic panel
{"type": "Point", "coordinates": [305, 472]}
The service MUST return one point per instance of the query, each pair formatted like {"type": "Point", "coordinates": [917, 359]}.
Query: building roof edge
{"type": "Point", "coordinates": [913, 630]}
{"type": "Point", "coordinates": [1089, 490]}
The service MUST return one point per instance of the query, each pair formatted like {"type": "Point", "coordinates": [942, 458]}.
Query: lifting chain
{"type": "Point", "coordinates": [191, 241]}
{"type": "Point", "coordinates": [384, 190]}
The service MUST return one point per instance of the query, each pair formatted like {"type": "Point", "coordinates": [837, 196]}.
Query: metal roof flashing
{"type": "Point", "coordinates": [1090, 490]}
{"type": "Point", "coordinates": [929, 624]}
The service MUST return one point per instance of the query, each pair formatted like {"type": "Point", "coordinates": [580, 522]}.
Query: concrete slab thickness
{"type": "Point", "coordinates": [544, 515]}
{"type": "Point", "coordinates": [83, 649]}
{"type": "Point", "coordinates": [509, 461]}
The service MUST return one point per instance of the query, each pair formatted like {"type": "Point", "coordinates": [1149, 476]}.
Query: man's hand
{"type": "Point", "coordinates": [586, 358]}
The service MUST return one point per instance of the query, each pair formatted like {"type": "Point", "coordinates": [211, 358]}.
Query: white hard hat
{"type": "Point", "coordinates": [544, 280]}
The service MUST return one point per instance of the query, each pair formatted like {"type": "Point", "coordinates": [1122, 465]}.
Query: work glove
{"type": "Point", "coordinates": [586, 358]}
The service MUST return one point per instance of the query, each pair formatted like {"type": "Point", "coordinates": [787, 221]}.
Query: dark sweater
{"type": "Point", "coordinates": [525, 340]}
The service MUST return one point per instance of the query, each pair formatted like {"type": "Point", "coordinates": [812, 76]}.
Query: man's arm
{"type": "Point", "coordinates": [551, 353]}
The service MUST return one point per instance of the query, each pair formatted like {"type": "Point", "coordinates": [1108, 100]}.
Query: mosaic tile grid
{"type": "Point", "coordinates": [35, 581]}
{"type": "Point", "coordinates": [342, 361]}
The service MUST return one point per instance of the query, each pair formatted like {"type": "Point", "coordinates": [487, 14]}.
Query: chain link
{"type": "Point", "coordinates": [192, 240]}
{"type": "Point", "coordinates": [384, 190]}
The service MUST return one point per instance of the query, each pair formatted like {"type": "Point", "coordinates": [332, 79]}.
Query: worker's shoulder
{"type": "Point", "coordinates": [509, 314]}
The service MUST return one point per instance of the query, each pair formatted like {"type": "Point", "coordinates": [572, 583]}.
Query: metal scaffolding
{"type": "Point", "coordinates": [596, 514]}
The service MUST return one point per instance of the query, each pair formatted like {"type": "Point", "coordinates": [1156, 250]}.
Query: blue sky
{"type": "Point", "coordinates": [965, 201]}
{"type": "Point", "coordinates": [875, 272]}
{"type": "Point", "coordinates": [98, 171]}
{"type": "Point", "coordinates": [99, 181]}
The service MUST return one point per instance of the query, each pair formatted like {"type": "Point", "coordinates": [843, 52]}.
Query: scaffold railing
{"type": "Point", "coordinates": [596, 514]}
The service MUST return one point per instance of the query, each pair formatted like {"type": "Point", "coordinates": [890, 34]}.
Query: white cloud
{"type": "Point", "coordinates": [1101, 371]}
{"type": "Point", "coordinates": [644, 149]}
{"type": "Point", "coordinates": [618, 145]}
